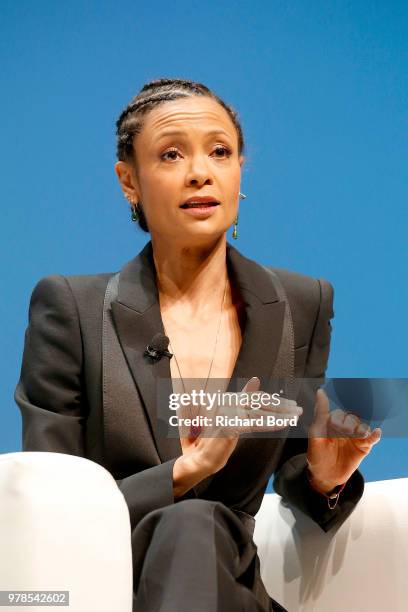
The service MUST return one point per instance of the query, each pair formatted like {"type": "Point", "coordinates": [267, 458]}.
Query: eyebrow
{"type": "Point", "coordinates": [182, 133]}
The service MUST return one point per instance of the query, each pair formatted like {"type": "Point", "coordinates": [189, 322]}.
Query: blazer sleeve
{"type": "Point", "coordinates": [51, 393]}
{"type": "Point", "coordinates": [290, 480]}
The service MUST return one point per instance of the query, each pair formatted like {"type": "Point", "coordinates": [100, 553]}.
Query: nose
{"type": "Point", "coordinates": [199, 172]}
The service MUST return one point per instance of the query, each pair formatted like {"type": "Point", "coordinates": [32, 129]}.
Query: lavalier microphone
{"type": "Point", "coordinates": [158, 347]}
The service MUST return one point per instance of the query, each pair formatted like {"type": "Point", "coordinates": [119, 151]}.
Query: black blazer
{"type": "Point", "coordinates": [59, 391]}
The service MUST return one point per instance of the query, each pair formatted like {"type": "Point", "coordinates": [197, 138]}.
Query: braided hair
{"type": "Point", "coordinates": [153, 93]}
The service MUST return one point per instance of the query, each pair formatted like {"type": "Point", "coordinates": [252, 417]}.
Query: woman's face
{"type": "Point", "coordinates": [187, 147]}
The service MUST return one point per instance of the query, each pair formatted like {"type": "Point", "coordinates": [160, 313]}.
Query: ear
{"type": "Point", "coordinates": [241, 160]}
{"type": "Point", "coordinates": [127, 179]}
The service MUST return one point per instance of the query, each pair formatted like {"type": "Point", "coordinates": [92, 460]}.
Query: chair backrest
{"type": "Point", "coordinates": [64, 526]}
{"type": "Point", "coordinates": [360, 567]}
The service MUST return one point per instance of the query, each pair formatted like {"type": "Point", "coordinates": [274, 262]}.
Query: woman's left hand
{"type": "Point", "coordinates": [332, 460]}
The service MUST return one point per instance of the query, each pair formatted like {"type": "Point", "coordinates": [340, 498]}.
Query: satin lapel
{"type": "Point", "coordinates": [137, 318]}
{"type": "Point", "coordinates": [259, 349]}
{"type": "Point", "coordinates": [264, 319]}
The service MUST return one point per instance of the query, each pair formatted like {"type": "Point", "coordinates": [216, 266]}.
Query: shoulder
{"type": "Point", "coordinates": [77, 283]}
{"type": "Point", "coordinates": [310, 299]}
{"type": "Point", "coordinates": [304, 289]}
{"type": "Point", "coordinates": [76, 291]}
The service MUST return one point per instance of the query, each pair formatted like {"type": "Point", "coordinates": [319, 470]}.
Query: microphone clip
{"type": "Point", "coordinates": [156, 354]}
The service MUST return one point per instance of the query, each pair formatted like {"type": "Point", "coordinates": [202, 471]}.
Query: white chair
{"type": "Point", "coordinates": [64, 526]}
{"type": "Point", "coordinates": [360, 568]}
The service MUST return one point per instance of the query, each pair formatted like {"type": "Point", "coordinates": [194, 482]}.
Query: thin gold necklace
{"type": "Point", "coordinates": [196, 430]}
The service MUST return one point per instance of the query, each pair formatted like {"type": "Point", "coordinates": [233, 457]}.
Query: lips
{"type": "Point", "coordinates": [199, 205]}
{"type": "Point", "coordinates": [200, 202]}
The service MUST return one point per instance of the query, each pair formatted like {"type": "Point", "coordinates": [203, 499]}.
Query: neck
{"type": "Point", "coordinates": [193, 275]}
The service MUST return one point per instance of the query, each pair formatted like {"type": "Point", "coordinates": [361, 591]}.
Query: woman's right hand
{"type": "Point", "coordinates": [204, 455]}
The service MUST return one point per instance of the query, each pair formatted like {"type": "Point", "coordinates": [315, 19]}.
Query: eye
{"type": "Point", "coordinates": [171, 154]}
{"type": "Point", "coordinates": [222, 149]}
{"type": "Point", "coordinates": [172, 151]}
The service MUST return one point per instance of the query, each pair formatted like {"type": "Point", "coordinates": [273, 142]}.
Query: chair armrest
{"type": "Point", "coordinates": [64, 526]}
{"type": "Point", "coordinates": [360, 566]}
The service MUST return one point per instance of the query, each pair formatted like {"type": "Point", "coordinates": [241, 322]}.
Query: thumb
{"type": "Point", "coordinates": [252, 384]}
{"type": "Point", "coordinates": [321, 413]}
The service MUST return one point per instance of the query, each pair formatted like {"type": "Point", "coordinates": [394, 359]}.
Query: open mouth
{"type": "Point", "coordinates": [199, 204]}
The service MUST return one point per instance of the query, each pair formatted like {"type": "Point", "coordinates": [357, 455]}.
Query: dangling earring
{"type": "Point", "coordinates": [133, 208]}
{"type": "Point", "coordinates": [235, 232]}
{"type": "Point", "coordinates": [134, 214]}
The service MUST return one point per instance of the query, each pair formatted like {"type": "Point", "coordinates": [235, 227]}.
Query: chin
{"type": "Point", "coordinates": [203, 236]}
{"type": "Point", "coordinates": [208, 231]}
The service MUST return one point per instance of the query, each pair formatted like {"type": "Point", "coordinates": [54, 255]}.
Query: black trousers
{"type": "Point", "coordinates": [196, 556]}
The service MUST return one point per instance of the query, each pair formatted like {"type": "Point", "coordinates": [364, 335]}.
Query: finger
{"type": "Point", "coordinates": [336, 420]}
{"type": "Point", "coordinates": [351, 422]}
{"type": "Point", "coordinates": [374, 437]}
{"type": "Point", "coordinates": [366, 443]}
{"type": "Point", "coordinates": [279, 425]}
{"type": "Point", "coordinates": [230, 433]}
{"type": "Point", "coordinates": [274, 414]}
{"type": "Point", "coordinates": [321, 412]}
{"type": "Point", "coordinates": [284, 409]}
{"type": "Point", "coordinates": [345, 423]}
{"type": "Point", "coordinates": [363, 430]}
{"type": "Point", "coordinates": [252, 384]}
{"type": "Point", "coordinates": [268, 403]}
{"type": "Point", "coordinates": [321, 407]}
{"type": "Point", "coordinates": [285, 403]}
{"type": "Point", "coordinates": [274, 411]}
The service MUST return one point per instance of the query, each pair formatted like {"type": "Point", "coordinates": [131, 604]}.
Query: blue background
{"type": "Point", "coordinates": [321, 90]}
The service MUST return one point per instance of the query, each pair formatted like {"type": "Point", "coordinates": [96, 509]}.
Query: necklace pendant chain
{"type": "Point", "coordinates": [196, 430]}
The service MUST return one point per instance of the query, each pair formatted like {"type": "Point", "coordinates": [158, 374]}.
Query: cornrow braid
{"type": "Point", "coordinates": [153, 93]}
{"type": "Point", "coordinates": [130, 121]}
{"type": "Point", "coordinates": [173, 82]}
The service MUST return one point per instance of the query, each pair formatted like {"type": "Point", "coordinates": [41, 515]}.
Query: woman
{"type": "Point", "coordinates": [191, 499]}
